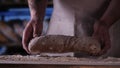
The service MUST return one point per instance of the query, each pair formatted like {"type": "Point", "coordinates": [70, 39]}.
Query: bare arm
{"type": "Point", "coordinates": [101, 27]}
{"type": "Point", "coordinates": [35, 25]}
{"type": "Point", "coordinates": [37, 9]}
{"type": "Point", "coordinates": [112, 14]}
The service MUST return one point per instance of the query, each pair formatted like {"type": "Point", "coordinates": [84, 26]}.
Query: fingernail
{"type": "Point", "coordinates": [35, 35]}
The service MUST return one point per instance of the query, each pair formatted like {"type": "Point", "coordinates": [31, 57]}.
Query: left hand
{"type": "Point", "coordinates": [101, 33]}
{"type": "Point", "coordinates": [32, 30]}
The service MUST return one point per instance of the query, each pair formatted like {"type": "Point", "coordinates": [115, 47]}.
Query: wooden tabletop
{"type": "Point", "coordinates": [18, 59]}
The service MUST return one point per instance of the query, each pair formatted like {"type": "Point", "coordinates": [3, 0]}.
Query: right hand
{"type": "Point", "coordinates": [32, 29]}
{"type": "Point", "coordinates": [101, 33]}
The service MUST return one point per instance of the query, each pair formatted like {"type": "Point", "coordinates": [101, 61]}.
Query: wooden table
{"type": "Point", "coordinates": [57, 62]}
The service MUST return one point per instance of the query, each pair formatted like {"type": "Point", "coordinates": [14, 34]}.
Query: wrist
{"type": "Point", "coordinates": [108, 21]}
{"type": "Point", "coordinates": [99, 25]}
{"type": "Point", "coordinates": [36, 19]}
{"type": "Point", "coordinates": [103, 24]}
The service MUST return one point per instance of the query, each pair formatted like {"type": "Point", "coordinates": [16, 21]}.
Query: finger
{"type": "Point", "coordinates": [106, 45]}
{"type": "Point", "coordinates": [26, 49]}
{"type": "Point", "coordinates": [108, 42]}
{"type": "Point", "coordinates": [27, 36]}
{"type": "Point", "coordinates": [97, 35]}
{"type": "Point", "coordinates": [37, 27]}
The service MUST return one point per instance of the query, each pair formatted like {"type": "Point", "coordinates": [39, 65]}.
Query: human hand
{"type": "Point", "coordinates": [101, 33]}
{"type": "Point", "coordinates": [32, 29]}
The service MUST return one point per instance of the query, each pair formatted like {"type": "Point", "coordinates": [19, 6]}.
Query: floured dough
{"type": "Point", "coordinates": [61, 44]}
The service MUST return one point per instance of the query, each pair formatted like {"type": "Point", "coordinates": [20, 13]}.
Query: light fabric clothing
{"type": "Point", "coordinates": [75, 17]}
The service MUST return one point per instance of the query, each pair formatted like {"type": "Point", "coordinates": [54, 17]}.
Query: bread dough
{"type": "Point", "coordinates": [61, 44]}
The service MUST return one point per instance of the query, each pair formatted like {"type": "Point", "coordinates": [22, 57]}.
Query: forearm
{"type": "Point", "coordinates": [112, 13]}
{"type": "Point", "coordinates": [37, 9]}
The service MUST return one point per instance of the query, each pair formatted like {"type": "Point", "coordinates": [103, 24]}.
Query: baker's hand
{"type": "Point", "coordinates": [101, 33]}
{"type": "Point", "coordinates": [32, 29]}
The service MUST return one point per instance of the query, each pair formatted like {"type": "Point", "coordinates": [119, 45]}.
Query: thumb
{"type": "Point", "coordinates": [37, 28]}
{"type": "Point", "coordinates": [27, 36]}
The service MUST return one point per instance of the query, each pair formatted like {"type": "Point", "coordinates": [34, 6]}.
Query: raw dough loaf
{"type": "Point", "coordinates": [61, 44]}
